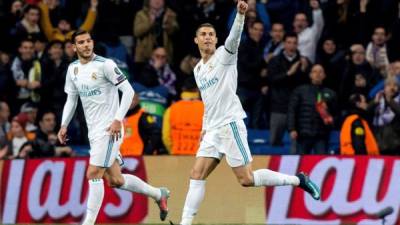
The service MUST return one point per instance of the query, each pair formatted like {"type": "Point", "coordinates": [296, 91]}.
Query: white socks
{"type": "Point", "coordinates": [266, 177]}
{"type": "Point", "coordinates": [94, 201]}
{"type": "Point", "coordinates": [194, 198]}
{"type": "Point", "coordinates": [135, 184]}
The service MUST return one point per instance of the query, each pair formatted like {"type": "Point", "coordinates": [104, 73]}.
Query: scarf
{"type": "Point", "coordinates": [377, 56]}
{"type": "Point", "coordinates": [166, 77]}
{"type": "Point", "coordinates": [383, 113]}
{"type": "Point", "coordinates": [29, 28]}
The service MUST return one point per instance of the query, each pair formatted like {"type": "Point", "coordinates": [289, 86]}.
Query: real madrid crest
{"type": "Point", "coordinates": [94, 76]}
{"type": "Point", "coordinates": [117, 71]}
{"type": "Point", "coordinates": [76, 71]}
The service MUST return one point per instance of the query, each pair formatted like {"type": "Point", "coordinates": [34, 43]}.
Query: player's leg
{"type": "Point", "coordinates": [239, 158]}
{"type": "Point", "coordinates": [94, 175]}
{"type": "Point", "coordinates": [133, 183]}
{"type": "Point", "coordinates": [101, 153]}
{"type": "Point", "coordinates": [262, 177]}
{"type": "Point", "coordinates": [202, 167]}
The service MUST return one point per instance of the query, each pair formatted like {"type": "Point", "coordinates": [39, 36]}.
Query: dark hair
{"type": "Point", "coordinates": [28, 7]}
{"type": "Point", "coordinates": [189, 84]}
{"type": "Point", "coordinates": [27, 39]}
{"type": "Point", "coordinates": [290, 35]}
{"type": "Point", "coordinates": [256, 21]}
{"type": "Point", "coordinates": [44, 112]}
{"type": "Point", "coordinates": [381, 27]}
{"type": "Point", "coordinates": [205, 25]}
{"type": "Point", "coordinates": [55, 42]}
{"type": "Point", "coordinates": [77, 33]}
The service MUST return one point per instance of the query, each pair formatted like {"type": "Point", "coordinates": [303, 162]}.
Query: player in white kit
{"type": "Point", "coordinates": [224, 132]}
{"type": "Point", "coordinates": [96, 80]}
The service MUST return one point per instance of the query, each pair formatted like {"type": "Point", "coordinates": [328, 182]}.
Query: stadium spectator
{"type": "Point", "coordinates": [286, 71]}
{"type": "Point", "coordinates": [258, 12]}
{"type": "Point", "coordinates": [360, 85]}
{"type": "Point", "coordinates": [39, 44]}
{"type": "Point", "coordinates": [7, 84]}
{"type": "Point", "coordinates": [183, 120]}
{"type": "Point", "coordinates": [199, 12]}
{"type": "Point", "coordinates": [356, 65]}
{"type": "Point", "coordinates": [310, 114]}
{"type": "Point", "coordinates": [158, 69]}
{"type": "Point", "coordinates": [377, 52]}
{"type": "Point", "coordinates": [252, 84]}
{"type": "Point", "coordinates": [309, 36]}
{"type": "Point", "coordinates": [387, 118]}
{"type": "Point", "coordinates": [275, 45]}
{"type": "Point", "coordinates": [283, 11]}
{"type": "Point", "coordinates": [54, 69]}
{"type": "Point", "coordinates": [187, 64]}
{"type": "Point", "coordinates": [142, 135]}
{"type": "Point", "coordinates": [27, 73]}
{"type": "Point", "coordinates": [356, 137]}
{"type": "Point", "coordinates": [394, 71]}
{"type": "Point", "coordinates": [69, 53]}
{"type": "Point", "coordinates": [348, 21]}
{"type": "Point", "coordinates": [333, 60]}
{"type": "Point", "coordinates": [8, 19]}
{"type": "Point", "coordinates": [19, 139]}
{"type": "Point", "coordinates": [30, 110]}
{"type": "Point", "coordinates": [64, 29]}
{"type": "Point", "coordinates": [154, 26]}
{"type": "Point", "coordinates": [45, 144]}
{"type": "Point", "coordinates": [4, 128]}
{"type": "Point", "coordinates": [29, 25]}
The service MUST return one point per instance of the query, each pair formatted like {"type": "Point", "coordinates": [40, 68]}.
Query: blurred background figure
{"type": "Point", "coordinates": [356, 137]}
{"type": "Point", "coordinates": [142, 135]}
{"type": "Point", "coordinates": [182, 123]}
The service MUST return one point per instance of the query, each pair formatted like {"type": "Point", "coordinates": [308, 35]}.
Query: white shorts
{"type": "Point", "coordinates": [104, 151]}
{"type": "Point", "coordinates": [229, 140]}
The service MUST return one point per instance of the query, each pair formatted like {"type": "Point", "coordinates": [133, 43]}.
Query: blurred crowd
{"type": "Point", "coordinates": [305, 67]}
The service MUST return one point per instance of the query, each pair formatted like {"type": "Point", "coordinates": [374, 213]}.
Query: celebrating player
{"type": "Point", "coordinates": [224, 132]}
{"type": "Point", "coordinates": [96, 80]}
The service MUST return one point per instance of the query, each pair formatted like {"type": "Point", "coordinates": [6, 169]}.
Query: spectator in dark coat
{"type": "Point", "coordinates": [310, 114]}
{"type": "Point", "coordinates": [29, 25]}
{"type": "Point", "coordinates": [286, 71]}
{"type": "Point", "coordinates": [45, 144]}
{"type": "Point", "coordinates": [333, 60]}
{"type": "Point", "coordinates": [54, 71]}
{"type": "Point", "coordinates": [252, 74]}
{"type": "Point", "coordinates": [357, 65]}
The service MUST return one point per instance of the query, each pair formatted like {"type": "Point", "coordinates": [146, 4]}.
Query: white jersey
{"type": "Point", "coordinates": [96, 84]}
{"type": "Point", "coordinates": [217, 82]}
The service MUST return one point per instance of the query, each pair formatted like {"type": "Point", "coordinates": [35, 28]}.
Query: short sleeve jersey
{"type": "Point", "coordinates": [217, 82]}
{"type": "Point", "coordinates": [96, 84]}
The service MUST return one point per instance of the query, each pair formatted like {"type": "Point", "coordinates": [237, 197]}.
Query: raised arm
{"type": "Point", "coordinates": [318, 24]}
{"type": "Point", "coordinates": [233, 40]}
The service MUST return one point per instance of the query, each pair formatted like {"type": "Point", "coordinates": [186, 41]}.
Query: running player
{"type": "Point", "coordinates": [224, 132]}
{"type": "Point", "coordinates": [96, 80]}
